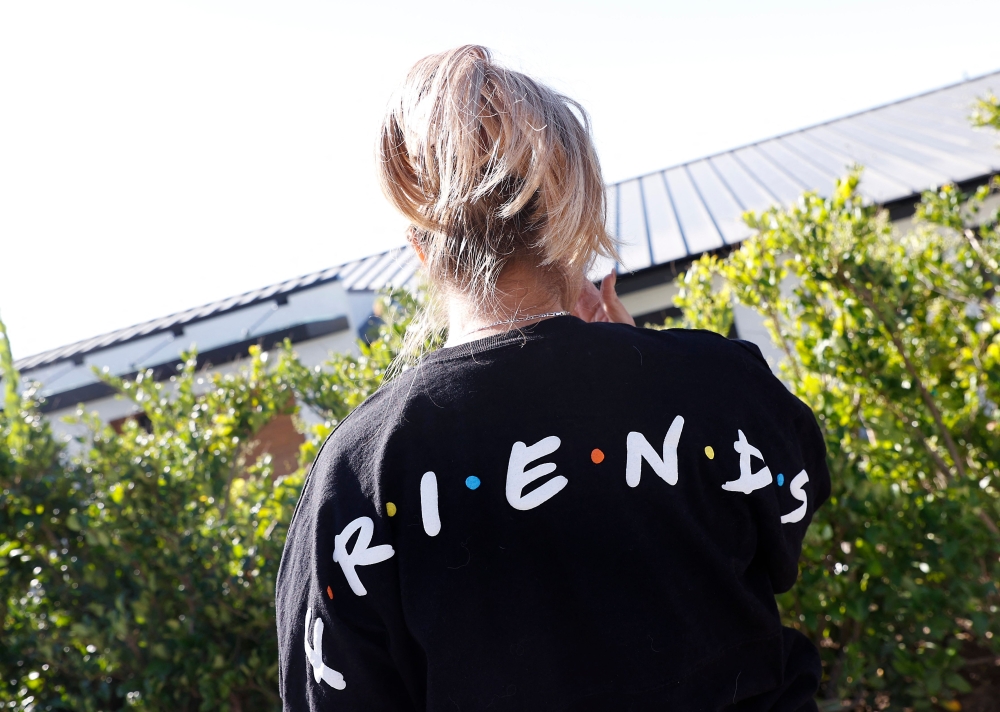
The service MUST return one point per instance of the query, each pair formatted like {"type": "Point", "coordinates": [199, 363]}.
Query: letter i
{"type": "Point", "coordinates": [429, 504]}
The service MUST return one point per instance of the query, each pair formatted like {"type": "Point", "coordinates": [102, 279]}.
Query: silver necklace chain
{"type": "Point", "coordinates": [519, 320]}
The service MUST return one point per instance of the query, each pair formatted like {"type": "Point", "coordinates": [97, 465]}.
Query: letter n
{"type": "Point", "coordinates": [639, 449]}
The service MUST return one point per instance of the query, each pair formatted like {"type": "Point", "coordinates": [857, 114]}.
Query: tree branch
{"type": "Point", "coordinates": [978, 248]}
{"type": "Point", "coordinates": [925, 395]}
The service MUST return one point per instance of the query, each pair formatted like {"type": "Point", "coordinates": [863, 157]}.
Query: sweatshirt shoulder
{"type": "Point", "coordinates": [377, 414]}
{"type": "Point", "coordinates": [705, 346]}
{"type": "Point", "coordinates": [346, 464]}
{"type": "Point", "coordinates": [732, 363]}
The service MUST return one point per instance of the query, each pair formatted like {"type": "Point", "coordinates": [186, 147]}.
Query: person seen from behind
{"type": "Point", "coordinates": [556, 510]}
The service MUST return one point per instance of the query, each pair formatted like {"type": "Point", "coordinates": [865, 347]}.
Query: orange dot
{"type": "Point", "coordinates": [597, 456]}
{"type": "Point", "coordinates": [329, 592]}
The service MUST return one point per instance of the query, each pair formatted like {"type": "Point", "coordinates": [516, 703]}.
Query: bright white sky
{"type": "Point", "coordinates": [158, 155]}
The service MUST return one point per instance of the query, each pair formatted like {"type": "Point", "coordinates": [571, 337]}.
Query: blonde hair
{"type": "Point", "coordinates": [490, 166]}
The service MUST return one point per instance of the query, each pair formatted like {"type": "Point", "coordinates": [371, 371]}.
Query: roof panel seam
{"type": "Point", "coordinates": [833, 150]}
{"type": "Point", "coordinates": [895, 153]}
{"type": "Point", "coordinates": [753, 176]}
{"type": "Point", "coordinates": [781, 169]}
{"type": "Point", "coordinates": [725, 183]}
{"type": "Point", "coordinates": [697, 191]}
{"type": "Point", "coordinates": [907, 144]}
{"type": "Point", "coordinates": [618, 219]}
{"type": "Point", "coordinates": [673, 209]}
{"type": "Point", "coordinates": [645, 223]}
{"type": "Point", "coordinates": [811, 161]}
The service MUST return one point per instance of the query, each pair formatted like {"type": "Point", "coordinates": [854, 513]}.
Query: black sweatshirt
{"type": "Point", "coordinates": [569, 517]}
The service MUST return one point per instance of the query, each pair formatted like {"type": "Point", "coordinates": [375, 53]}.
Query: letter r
{"type": "Point", "coordinates": [363, 553]}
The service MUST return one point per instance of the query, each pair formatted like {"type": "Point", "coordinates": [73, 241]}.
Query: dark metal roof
{"type": "Point", "coordinates": [90, 388]}
{"type": "Point", "coordinates": [392, 268]}
{"type": "Point", "coordinates": [906, 147]}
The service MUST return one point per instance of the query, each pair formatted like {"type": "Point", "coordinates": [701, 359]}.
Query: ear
{"type": "Point", "coordinates": [411, 237]}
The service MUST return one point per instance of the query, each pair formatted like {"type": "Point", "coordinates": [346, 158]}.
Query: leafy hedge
{"type": "Point", "coordinates": [141, 573]}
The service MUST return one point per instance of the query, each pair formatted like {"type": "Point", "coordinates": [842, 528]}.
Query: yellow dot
{"type": "Point", "coordinates": [709, 452]}
{"type": "Point", "coordinates": [390, 509]}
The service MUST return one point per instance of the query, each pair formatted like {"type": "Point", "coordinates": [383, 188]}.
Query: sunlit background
{"type": "Point", "coordinates": [158, 155]}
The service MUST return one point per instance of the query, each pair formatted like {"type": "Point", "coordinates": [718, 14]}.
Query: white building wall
{"type": "Point", "coordinates": [644, 301]}
{"type": "Point", "coordinates": [750, 327]}
{"type": "Point", "coordinates": [360, 305]}
{"type": "Point", "coordinates": [107, 409]}
{"type": "Point", "coordinates": [110, 408]}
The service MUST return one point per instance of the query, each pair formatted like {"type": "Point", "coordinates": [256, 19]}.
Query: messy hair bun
{"type": "Point", "coordinates": [490, 166]}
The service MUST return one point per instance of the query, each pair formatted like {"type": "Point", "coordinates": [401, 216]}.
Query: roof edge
{"type": "Point", "coordinates": [268, 292]}
{"type": "Point", "coordinates": [808, 127]}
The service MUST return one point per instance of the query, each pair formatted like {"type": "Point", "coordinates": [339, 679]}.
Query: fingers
{"type": "Point", "coordinates": [611, 304]}
{"type": "Point", "coordinates": [603, 304]}
{"type": "Point", "coordinates": [608, 285]}
{"type": "Point", "coordinates": [588, 304]}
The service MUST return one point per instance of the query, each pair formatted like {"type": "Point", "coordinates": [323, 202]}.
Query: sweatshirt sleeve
{"type": "Point", "coordinates": [800, 482]}
{"type": "Point", "coordinates": [789, 507]}
{"type": "Point", "coordinates": [343, 644]}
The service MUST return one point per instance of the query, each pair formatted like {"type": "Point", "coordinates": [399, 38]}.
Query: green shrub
{"type": "Point", "coordinates": [894, 340]}
{"type": "Point", "coordinates": [141, 573]}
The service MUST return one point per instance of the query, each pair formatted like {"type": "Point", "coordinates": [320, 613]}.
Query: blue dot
{"type": "Point", "coordinates": [472, 482]}
{"type": "Point", "coordinates": [781, 479]}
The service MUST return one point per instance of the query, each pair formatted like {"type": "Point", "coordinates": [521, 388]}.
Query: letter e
{"type": "Point", "coordinates": [518, 478]}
